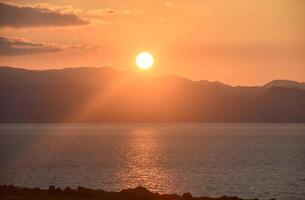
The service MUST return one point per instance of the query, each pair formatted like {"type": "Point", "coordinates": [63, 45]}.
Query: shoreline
{"type": "Point", "coordinates": [10, 192]}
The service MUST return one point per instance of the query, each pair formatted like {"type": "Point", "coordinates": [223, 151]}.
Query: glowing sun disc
{"type": "Point", "coordinates": [144, 60]}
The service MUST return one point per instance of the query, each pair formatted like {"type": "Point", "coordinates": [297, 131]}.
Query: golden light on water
{"type": "Point", "coordinates": [144, 60]}
{"type": "Point", "coordinates": [142, 165]}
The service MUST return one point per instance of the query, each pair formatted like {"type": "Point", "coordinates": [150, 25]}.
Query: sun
{"type": "Point", "coordinates": [144, 60]}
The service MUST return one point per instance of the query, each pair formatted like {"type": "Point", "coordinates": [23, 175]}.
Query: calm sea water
{"type": "Point", "coordinates": [246, 160]}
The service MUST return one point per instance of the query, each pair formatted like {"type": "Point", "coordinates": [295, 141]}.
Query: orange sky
{"type": "Point", "coordinates": [237, 42]}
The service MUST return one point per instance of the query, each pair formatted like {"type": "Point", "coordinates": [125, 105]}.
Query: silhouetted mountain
{"type": "Point", "coordinates": [88, 94]}
{"type": "Point", "coordinates": [286, 84]}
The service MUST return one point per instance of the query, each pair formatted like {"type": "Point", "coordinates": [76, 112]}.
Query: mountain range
{"type": "Point", "coordinates": [89, 94]}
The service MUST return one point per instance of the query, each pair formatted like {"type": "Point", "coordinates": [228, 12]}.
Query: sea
{"type": "Point", "coordinates": [248, 160]}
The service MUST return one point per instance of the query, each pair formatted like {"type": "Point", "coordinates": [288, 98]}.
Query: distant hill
{"type": "Point", "coordinates": [88, 94]}
{"type": "Point", "coordinates": [286, 84]}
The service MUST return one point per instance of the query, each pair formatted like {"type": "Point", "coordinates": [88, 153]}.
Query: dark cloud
{"type": "Point", "coordinates": [38, 15]}
{"type": "Point", "coordinates": [18, 46]}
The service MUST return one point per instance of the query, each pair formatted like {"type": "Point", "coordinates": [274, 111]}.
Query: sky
{"type": "Point", "coordinates": [237, 42]}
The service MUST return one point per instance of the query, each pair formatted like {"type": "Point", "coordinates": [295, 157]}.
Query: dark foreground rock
{"type": "Point", "coordinates": [10, 192]}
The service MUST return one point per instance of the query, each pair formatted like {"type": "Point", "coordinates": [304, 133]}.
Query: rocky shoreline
{"type": "Point", "coordinates": [10, 192]}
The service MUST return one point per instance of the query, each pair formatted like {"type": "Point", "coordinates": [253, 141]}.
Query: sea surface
{"type": "Point", "coordinates": [207, 159]}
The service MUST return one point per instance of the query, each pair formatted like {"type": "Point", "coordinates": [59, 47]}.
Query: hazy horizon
{"type": "Point", "coordinates": [107, 95]}
{"type": "Point", "coordinates": [147, 75]}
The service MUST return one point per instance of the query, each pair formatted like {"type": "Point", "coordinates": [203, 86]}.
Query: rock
{"type": "Point", "coordinates": [137, 193]}
{"type": "Point", "coordinates": [68, 190]}
{"type": "Point", "coordinates": [51, 190]}
{"type": "Point", "coordinates": [85, 192]}
{"type": "Point", "coordinates": [187, 196]}
{"type": "Point", "coordinates": [53, 193]}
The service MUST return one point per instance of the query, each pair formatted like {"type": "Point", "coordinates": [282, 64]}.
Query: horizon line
{"type": "Point", "coordinates": [150, 76]}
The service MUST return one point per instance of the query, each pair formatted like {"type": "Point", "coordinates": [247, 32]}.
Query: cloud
{"type": "Point", "coordinates": [19, 46]}
{"type": "Point", "coordinates": [105, 15]}
{"type": "Point", "coordinates": [47, 15]}
{"type": "Point", "coordinates": [38, 15]}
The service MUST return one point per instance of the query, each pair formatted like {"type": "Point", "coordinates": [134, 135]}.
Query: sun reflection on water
{"type": "Point", "coordinates": [142, 166]}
